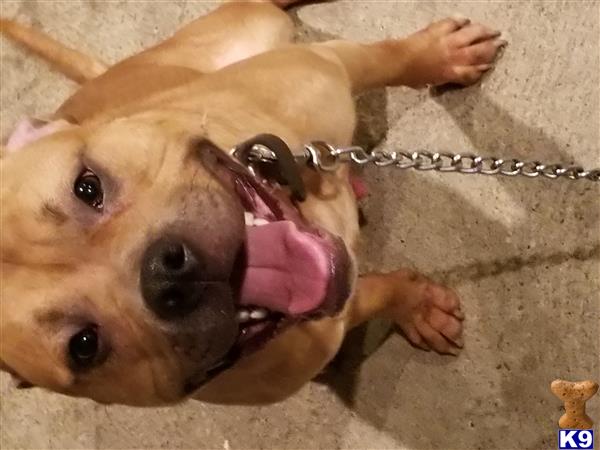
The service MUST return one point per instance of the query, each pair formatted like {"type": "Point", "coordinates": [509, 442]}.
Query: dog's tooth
{"type": "Point", "coordinates": [258, 314]}
{"type": "Point", "coordinates": [260, 222]}
{"type": "Point", "coordinates": [243, 316]}
{"type": "Point", "coordinates": [249, 218]}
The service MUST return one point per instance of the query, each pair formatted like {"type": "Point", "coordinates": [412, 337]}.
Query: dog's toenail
{"type": "Point", "coordinates": [463, 20]}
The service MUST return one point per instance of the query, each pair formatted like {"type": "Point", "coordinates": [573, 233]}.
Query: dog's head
{"type": "Point", "coordinates": [138, 262]}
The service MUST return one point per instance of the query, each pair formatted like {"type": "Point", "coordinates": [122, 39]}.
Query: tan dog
{"type": "Point", "coordinates": [142, 265]}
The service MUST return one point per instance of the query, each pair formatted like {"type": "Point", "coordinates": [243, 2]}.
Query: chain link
{"type": "Point", "coordinates": [328, 158]}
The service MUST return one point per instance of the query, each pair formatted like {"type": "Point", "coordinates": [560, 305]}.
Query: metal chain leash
{"type": "Point", "coordinates": [328, 158]}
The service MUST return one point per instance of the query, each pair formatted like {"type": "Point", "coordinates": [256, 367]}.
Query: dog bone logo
{"type": "Point", "coordinates": [574, 395]}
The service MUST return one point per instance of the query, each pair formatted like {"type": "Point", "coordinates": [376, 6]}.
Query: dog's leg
{"type": "Point", "coordinates": [448, 51]}
{"type": "Point", "coordinates": [234, 31]}
{"type": "Point", "coordinates": [76, 65]}
{"type": "Point", "coordinates": [428, 314]}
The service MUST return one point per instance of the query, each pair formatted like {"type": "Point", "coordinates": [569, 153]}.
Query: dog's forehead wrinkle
{"type": "Point", "coordinates": [161, 163]}
{"type": "Point", "coordinates": [192, 189]}
{"type": "Point", "coordinates": [54, 212]}
{"type": "Point", "coordinates": [26, 261]}
{"type": "Point", "coordinates": [51, 316]}
{"type": "Point", "coordinates": [55, 318]}
{"type": "Point", "coordinates": [141, 147]}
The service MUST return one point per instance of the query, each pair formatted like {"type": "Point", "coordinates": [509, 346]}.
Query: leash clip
{"type": "Point", "coordinates": [270, 157]}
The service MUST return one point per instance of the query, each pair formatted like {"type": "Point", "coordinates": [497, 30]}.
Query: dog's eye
{"type": "Point", "coordinates": [83, 348]}
{"type": "Point", "coordinates": [88, 189]}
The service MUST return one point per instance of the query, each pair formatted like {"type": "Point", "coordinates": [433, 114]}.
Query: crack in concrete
{"type": "Point", "coordinates": [480, 270]}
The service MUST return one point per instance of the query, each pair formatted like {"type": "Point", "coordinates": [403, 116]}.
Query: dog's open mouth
{"type": "Point", "coordinates": [291, 270]}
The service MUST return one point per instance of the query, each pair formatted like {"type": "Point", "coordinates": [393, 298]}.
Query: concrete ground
{"type": "Point", "coordinates": [523, 254]}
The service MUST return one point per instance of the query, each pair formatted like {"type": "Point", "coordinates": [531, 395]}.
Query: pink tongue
{"type": "Point", "coordinates": [288, 270]}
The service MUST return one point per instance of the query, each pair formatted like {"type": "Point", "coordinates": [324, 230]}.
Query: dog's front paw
{"type": "Point", "coordinates": [429, 315]}
{"type": "Point", "coordinates": [454, 50]}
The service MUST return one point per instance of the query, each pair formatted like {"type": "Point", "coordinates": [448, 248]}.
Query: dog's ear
{"type": "Point", "coordinates": [17, 381]}
{"type": "Point", "coordinates": [29, 130]}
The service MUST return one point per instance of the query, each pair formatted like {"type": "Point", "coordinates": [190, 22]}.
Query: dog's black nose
{"type": "Point", "coordinates": [170, 278]}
